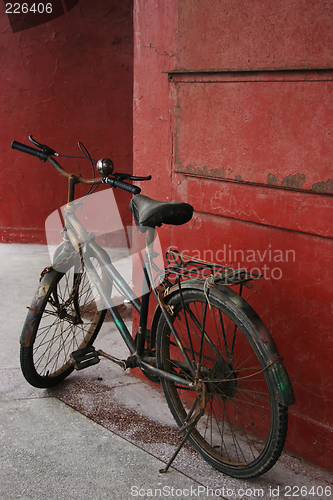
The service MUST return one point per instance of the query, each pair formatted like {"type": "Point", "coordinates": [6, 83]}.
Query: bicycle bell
{"type": "Point", "coordinates": [105, 167]}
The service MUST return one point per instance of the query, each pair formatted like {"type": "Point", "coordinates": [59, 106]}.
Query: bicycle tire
{"type": "Point", "coordinates": [63, 318]}
{"type": "Point", "coordinates": [243, 429]}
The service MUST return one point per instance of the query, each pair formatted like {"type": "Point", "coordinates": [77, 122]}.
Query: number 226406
{"type": "Point", "coordinates": [36, 8]}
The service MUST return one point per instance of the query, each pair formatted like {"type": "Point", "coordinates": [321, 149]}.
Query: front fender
{"type": "Point", "coordinates": [33, 315]}
{"type": "Point", "coordinates": [64, 258]}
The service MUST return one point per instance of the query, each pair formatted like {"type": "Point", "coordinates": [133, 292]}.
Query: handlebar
{"type": "Point", "coordinates": [29, 150]}
{"type": "Point", "coordinates": [114, 181]}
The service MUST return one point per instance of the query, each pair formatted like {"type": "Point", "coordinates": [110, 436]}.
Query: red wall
{"type": "Point", "coordinates": [233, 113]}
{"type": "Point", "coordinates": [68, 80]}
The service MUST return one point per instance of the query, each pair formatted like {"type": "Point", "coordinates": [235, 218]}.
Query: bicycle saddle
{"type": "Point", "coordinates": [151, 213]}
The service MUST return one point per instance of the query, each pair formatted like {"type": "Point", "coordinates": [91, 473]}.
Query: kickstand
{"type": "Point", "coordinates": [189, 426]}
{"type": "Point", "coordinates": [189, 430]}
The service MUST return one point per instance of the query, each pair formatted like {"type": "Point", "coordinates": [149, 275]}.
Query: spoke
{"type": "Point", "coordinates": [186, 323]}
{"type": "Point", "coordinates": [202, 333]}
{"type": "Point", "coordinates": [241, 412]}
{"type": "Point", "coordinates": [196, 324]}
{"type": "Point", "coordinates": [53, 341]}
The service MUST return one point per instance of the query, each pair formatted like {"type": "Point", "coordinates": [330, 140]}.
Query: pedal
{"type": "Point", "coordinates": [85, 357]}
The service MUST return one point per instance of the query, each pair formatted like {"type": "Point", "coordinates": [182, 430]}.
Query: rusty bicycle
{"type": "Point", "coordinates": [222, 376]}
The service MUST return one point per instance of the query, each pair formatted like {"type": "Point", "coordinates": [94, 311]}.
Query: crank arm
{"type": "Point", "coordinates": [120, 362]}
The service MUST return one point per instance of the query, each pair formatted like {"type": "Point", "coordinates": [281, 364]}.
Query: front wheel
{"type": "Point", "coordinates": [64, 317]}
{"type": "Point", "coordinates": [242, 430]}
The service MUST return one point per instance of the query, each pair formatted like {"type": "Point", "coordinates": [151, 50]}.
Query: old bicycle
{"type": "Point", "coordinates": [220, 371]}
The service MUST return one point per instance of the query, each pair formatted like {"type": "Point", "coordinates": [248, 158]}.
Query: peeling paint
{"type": "Point", "coordinates": [203, 172]}
{"type": "Point", "coordinates": [239, 178]}
{"type": "Point", "coordinates": [296, 182]}
{"type": "Point", "coordinates": [293, 181]}
{"type": "Point", "coordinates": [323, 187]}
{"type": "Point", "coordinates": [272, 180]}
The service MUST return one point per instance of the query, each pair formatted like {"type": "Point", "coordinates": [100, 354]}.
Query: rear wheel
{"type": "Point", "coordinates": [242, 429]}
{"type": "Point", "coordinates": [65, 316]}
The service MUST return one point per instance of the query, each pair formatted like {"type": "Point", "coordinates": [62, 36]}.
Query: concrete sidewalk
{"type": "Point", "coordinates": [103, 433]}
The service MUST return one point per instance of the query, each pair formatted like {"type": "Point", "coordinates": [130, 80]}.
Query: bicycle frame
{"type": "Point", "coordinates": [80, 239]}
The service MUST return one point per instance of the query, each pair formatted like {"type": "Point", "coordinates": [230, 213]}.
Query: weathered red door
{"type": "Point", "coordinates": [233, 112]}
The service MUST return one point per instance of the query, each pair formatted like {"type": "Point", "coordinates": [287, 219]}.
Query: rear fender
{"type": "Point", "coordinates": [261, 336]}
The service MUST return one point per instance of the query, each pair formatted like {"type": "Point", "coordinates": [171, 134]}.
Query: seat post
{"type": "Point", "coordinates": [150, 236]}
{"type": "Point", "coordinates": [146, 290]}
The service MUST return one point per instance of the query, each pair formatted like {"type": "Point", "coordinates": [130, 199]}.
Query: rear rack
{"type": "Point", "coordinates": [182, 267]}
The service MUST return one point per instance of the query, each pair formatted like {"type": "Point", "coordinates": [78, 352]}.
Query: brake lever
{"type": "Point", "coordinates": [138, 178]}
{"type": "Point", "coordinates": [46, 149]}
{"type": "Point", "coordinates": [121, 176]}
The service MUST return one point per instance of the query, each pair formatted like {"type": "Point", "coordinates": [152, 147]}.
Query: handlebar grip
{"type": "Point", "coordinates": [116, 183]}
{"type": "Point", "coordinates": [29, 150]}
